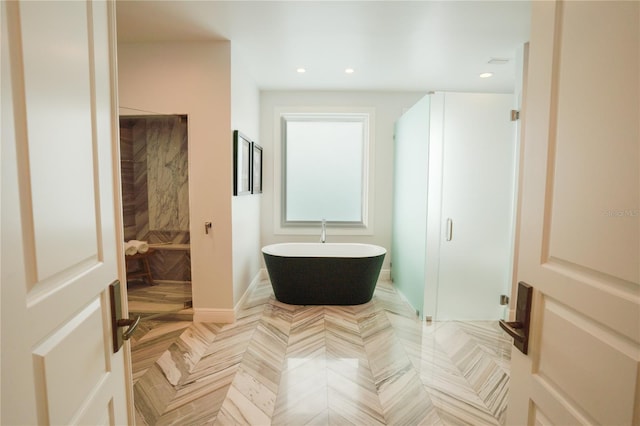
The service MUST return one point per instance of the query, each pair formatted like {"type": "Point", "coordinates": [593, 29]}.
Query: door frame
{"type": "Point", "coordinates": [117, 202]}
{"type": "Point", "coordinates": [119, 222]}
{"type": "Point", "coordinates": [131, 113]}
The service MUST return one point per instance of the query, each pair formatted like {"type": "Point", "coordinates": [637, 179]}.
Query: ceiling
{"type": "Point", "coordinates": [391, 45]}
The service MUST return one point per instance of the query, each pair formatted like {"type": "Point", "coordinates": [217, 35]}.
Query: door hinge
{"type": "Point", "coordinates": [515, 115]}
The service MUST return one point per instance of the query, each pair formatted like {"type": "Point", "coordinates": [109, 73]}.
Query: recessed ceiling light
{"type": "Point", "coordinates": [349, 70]}
{"type": "Point", "coordinates": [301, 70]}
{"type": "Point", "coordinates": [486, 74]}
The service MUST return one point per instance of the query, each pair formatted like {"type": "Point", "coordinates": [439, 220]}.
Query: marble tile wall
{"type": "Point", "coordinates": [127, 177]}
{"type": "Point", "coordinates": [155, 186]}
{"type": "Point", "coordinates": [167, 173]}
{"type": "Point", "coordinates": [139, 132]}
{"type": "Point", "coordinates": [157, 236]}
{"type": "Point", "coordinates": [172, 258]}
{"type": "Point", "coordinates": [171, 265]}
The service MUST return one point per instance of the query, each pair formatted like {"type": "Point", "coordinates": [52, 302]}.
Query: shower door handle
{"type": "Point", "coordinates": [449, 229]}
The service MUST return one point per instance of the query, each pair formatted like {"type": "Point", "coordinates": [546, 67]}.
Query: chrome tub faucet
{"type": "Point", "coordinates": [323, 233]}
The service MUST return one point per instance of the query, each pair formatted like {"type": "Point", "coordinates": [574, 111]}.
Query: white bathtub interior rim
{"type": "Point", "coordinates": [324, 250]}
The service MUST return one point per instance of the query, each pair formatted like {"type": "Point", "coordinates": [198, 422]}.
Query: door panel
{"type": "Point", "coordinates": [572, 373]}
{"type": "Point", "coordinates": [478, 180]}
{"type": "Point", "coordinates": [595, 154]}
{"type": "Point", "coordinates": [53, 135]}
{"type": "Point", "coordinates": [86, 366]}
{"type": "Point", "coordinates": [58, 199]}
{"type": "Point", "coordinates": [580, 230]}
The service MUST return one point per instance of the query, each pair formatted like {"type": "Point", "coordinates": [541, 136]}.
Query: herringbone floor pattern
{"type": "Point", "coordinates": [371, 364]}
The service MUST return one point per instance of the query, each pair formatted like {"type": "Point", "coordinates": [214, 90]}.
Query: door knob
{"type": "Point", "coordinates": [519, 329]}
{"type": "Point", "coordinates": [131, 323]}
{"type": "Point", "coordinates": [117, 322]}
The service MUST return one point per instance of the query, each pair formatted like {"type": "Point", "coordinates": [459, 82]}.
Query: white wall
{"type": "Point", "coordinates": [193, 78]}
{"type": "Point", "coordinates": [245, 113]}
{"type": "Point", "coordinates": [389, 106]}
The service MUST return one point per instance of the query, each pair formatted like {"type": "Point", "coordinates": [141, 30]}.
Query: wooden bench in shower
{"type": "Point", "coordinates": [143, 271]}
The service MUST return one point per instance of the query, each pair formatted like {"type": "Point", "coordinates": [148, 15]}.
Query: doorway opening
{"type": "Point", "coordinates": [155, 202]}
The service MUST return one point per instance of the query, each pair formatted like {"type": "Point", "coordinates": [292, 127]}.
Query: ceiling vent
{"type": "Point", "coordinates": [498, 61]}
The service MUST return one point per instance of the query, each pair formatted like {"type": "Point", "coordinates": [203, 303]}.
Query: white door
{"type": "Point", "coordinates": [478, 178]}
{"type": "Point", "coordinates": [59, 227]}
{"type": "Point", "coordinates": [579, 232]}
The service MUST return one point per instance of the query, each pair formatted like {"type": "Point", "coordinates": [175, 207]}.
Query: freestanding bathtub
{"type": "Point", "coordinates": [323, 273]}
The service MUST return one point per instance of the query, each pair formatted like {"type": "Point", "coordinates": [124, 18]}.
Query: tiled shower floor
{"type": "Point", "coordinates": [165, 296]}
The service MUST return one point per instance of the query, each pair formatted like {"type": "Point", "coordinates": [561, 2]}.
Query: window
{"type": "Point", "coordinates": [325, 169]}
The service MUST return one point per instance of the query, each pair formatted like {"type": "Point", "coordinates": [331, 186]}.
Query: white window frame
{"type": "Point", "coordinates": [365, 227]}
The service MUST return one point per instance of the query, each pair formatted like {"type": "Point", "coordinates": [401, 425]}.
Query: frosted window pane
{"type": "Point", "coordinates": [324, 170]}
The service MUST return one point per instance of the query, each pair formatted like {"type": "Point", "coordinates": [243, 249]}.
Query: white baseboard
{"type": "Point", "coordinates": [385, 275]}
{"type": "Point", "coordinates": [227, 316]}
{"type": "Point", "coordinates": [261, 275]}
{"type": "Point", "coordinates": [220, 316]}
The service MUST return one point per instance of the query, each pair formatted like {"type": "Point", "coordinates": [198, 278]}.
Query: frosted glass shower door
{"type": "Point", "coordinates": [478, 181]}
{"type": "Point", "coordinates": [408, 243]}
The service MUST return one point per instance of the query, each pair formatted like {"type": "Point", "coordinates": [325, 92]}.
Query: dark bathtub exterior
{"type": "Point", "coordinates": [309, 280]}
